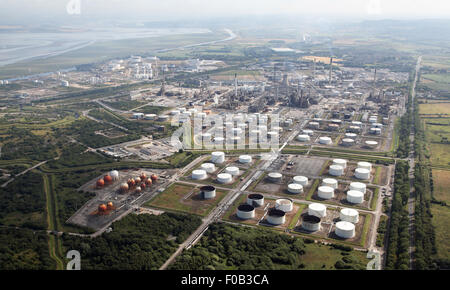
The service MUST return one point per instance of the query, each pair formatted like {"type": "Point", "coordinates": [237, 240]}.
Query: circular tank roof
{"type": "Point", "coordinates": [311, 219]}
{"type": "Point", "coordinates": [345, 226]}
{"type": "Point", "coordinates": [276, 212]}
{"type": "Point", "coordinates": [255, 196]}
{"type": "Point", "coordinates": [349, 212]}
{"type": "Point", "coordinates": [246, 207]}
{"type": "Point", "coordinates": [207, 188]}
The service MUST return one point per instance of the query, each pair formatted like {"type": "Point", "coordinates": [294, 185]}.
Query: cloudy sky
{"type": "Point", "coordinates": [18, 10]}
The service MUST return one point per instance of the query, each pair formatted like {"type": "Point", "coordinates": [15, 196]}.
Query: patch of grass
{"type": "Point", "coordinates": [441, 219]}
{"type": "Point", "coordinates": [441, 185]}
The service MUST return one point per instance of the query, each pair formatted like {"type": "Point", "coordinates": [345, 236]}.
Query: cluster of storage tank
{"type": "Point", "coordinates": [356, 192]}
{"type": "Point", "coordinates": [109, 178]}
{"type": "Point", "coordinates": [363, 170]}
{"type": "Point", "coordinates": [247, 210]}
{"type": "Point", "coordinates": [105, 208]}
{"type": "Point", "coordinates": [139, 183]}
{"type": "Point", "coordinates": [312, 220]}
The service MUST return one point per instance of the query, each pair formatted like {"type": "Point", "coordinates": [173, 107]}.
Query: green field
{"type": "Point", "coordinates": [441, 216]}
{"type": "Point", "coordinates": [441, 183]}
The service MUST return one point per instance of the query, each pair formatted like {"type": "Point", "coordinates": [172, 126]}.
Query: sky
{"type": "Point", "coordinates": [157, 10]}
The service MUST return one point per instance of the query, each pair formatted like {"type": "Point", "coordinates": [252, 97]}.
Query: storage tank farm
{"type": "Point", "coordinates": [199, 174]}
{"type": "Point", "coordinates": [244, 159]}
{"type": "Point", "coordinates": [336, 170]}
{"type": "Point", "coordinates": [359, 186]}
{"type": "Point", "coordinates": [218, 157]}
{"type": "Point", "coordinates": [355, 196]}
{"type": "Point", "coordinates": [233, 170]}
{"type": "Point", "coordinates": [224, 178]}
{"type": "Point", "coordinates": [208, 191]}
{"type": "Point", "coordinates": [295, 188]}
{"type": "Point", "coordinates": [340, 162]}
{"type": "Point", "coordinates": [208, 167]}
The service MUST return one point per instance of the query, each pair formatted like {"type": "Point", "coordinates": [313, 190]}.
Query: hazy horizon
{"type": "Point", "coordinates": [66, 11]}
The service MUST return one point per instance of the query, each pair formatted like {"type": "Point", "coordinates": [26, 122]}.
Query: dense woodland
{"type": "Point", "coordinates": [137, 242]}
{"type": "Point", "coordinates": [22, 249]}
{"type": "Point", "coordinates": [226, 246]}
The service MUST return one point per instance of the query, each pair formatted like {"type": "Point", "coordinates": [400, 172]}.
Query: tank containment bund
{"type": "Point", "coordinates": [349, 215]}
{"type": "Point", "coordinates": [340, 162]}
{"type": "Point", "coordinates": [208, 167]}
{"type": "Point", "coordinates": [358, 186]}
{"type": "Point", "coordinates": [224, 178]}
{"type": "Point", "coordinates": [326, 192]}
{"type": "Point", "coordinates": [317, 209]}
{"type": "Point", "coordinates": [311, 223]}
{"type": "Point", "coordinates": [245, 211]}
{"type": "Point", "coordinates": [331, 182]}
{"type": "Point", "coordinates": [362, 173]}
{"type": "Point", "coordinates": [199, 174]}
{"type": "Point", "coordinates": [233, 170]}
{"type": "Point", "coordinates": [284, 204]}
{"type": "Point", "coordinates": [303, 180]}
{"type": "Point", "coordinates": [345, 230]}
{"type": "Point", "coordinates": [255, 199]}
{"type": "Point", "coordinates": [336, 170]}
{"type": "Point", "coordinates": [276, 217]}
{"type": "Point", "coordinates": [275, 176]}
{"type": "Point", "coordinates": [303, 138]}
{"type": "Point", "coordinates": [217, 157]}
{"type": "Point", "coordinates": [208, 191]}
{"type": "Point", "coordinates": [245, 159]}
{"type": "Point", "coordinates": [354, 196]}
{"type": "Point", "coordinates": [325, 140]}
{"type": "Point", "coordinates": [295, 188]}
{"type": "Point", "coordinates": [365, 165]}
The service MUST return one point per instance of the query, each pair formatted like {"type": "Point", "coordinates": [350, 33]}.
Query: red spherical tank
{"type": "Point", "coordinates": [148, 182]}
{"type": "Point", "coordinates": [100, 182]}
{"type": "Point", "coordinates": [131, 182]}
{"type": "Point", "coordinates": [124, 187]}
{"type": "Point", "coordinates": [143, 176]}
{"type": "Point", "coordinates": [143, 186]}
{"type": "Point", "coordinates": [137, 180]}
{"type": "Point", "coordinates": [108, 179]}
{"type": "Point", "coordinates": [102, 208]}
{"type": "Point", "coordinates": [154, 177]}
{"type": "Point", "coordinates": [110, 205]}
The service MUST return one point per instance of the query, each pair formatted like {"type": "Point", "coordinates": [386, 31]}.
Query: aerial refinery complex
{"type": "Point", "coordinates": [240, 148]}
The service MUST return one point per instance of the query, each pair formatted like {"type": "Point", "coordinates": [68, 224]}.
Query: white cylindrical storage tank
{"type": "Point", "coordinates": [357, 123]}
{"type": "Point", "coordinates": [325, 192]}
{"type": "Point", "coordinates": [163, 118]}
{"type": "Point", "coordinates": [349, 215]}
{"type": "Point", "coordinates": [303, 180]}
{"type": "Point", "coordinates": [311, 223]}
{"type": "Point", "coordinates": [371, 144]}
{"type": "Point", "coordinates": [353, 129]}
{"type": "Point", "coordinates": [208, 167]}
{"type": "Point", "coordinates": [217, 157]}
{"type": "Point", "coordinates": [275, 176]}
{"type": "Point", "coordinates": [255, 199]}
{"type": "Point", "coordinates": [365, 165]}
{"type": "Point", "coordinates": [350, 135]}
{"type": "Point", "coordinates": [245, 159]}
{"type": "Point", "coordinates": [219, 140]}
{"type": "Point", "coordinates": [314, 125]}
{"type": "Point", "coordinates": [340, 162]}
{"type": "Point", "coordinates": [245, 211]}
{"type": "Point", "coordinates": [276, 217]}
{"type": "Point", "coordinates": [375, 131]}
{"type": "Point", "coordinates": [317, 209]}
{"type": "Point", "coordinates": [233, 170]}
{"type": "Point", "coordinates": [208, 191]}
{"type": "Point", "coordinates": [331, 182]}
{"type": "Point", "coordinates": [199, 174]}
{"type": "Point", "coordinates": [348, 142]}
{"type": "Point", "coordinates": [284, 204]}
{"type": "Point", "coordinates": [359, 186]}
{"type": "Point", "coordinates": [272, 135]}
{"type": "Point", "coordinates": [308, 132]}
{"type": "Point", "coordinates": [114, 174]}
{"type": "Point", "coordinates": [345, 230]}
{"type": "Point", "coordinates": [303, 138]}
{"type": "Point", "coordinates": [362, 173]}
{"type": "Point", "coordinates": [354, 196]}
{"type": "Point", "coordinates": [333, 127]}
{"type": "Point", "coordinates": [325, 140]}
{"type": "Point", "coordinates": [295, 188]}
{"type": "Point", "coordinates": [224, 178]}
{"type": "Point", "coordinates": [205, 137]}
{"type": "Point", "coordinates": [336, 170]}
